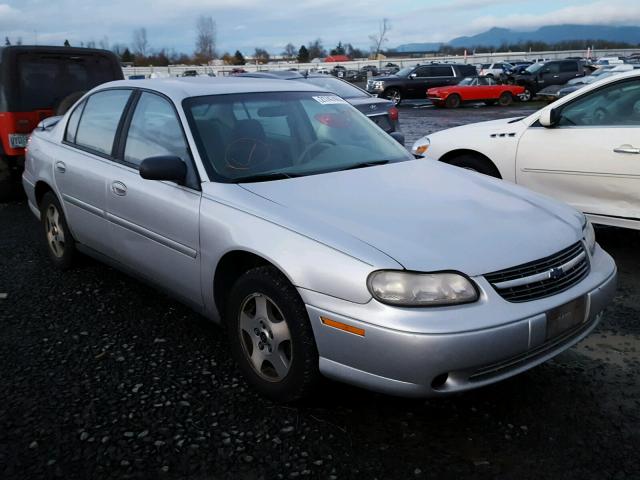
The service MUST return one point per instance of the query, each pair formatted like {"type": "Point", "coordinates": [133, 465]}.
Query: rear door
{"type": "Point", "coordinates": [591, 160]}
{"type": "Point", "coordinates": [154, 225]}
{"type": "Point", "coordinates": [83, 164]}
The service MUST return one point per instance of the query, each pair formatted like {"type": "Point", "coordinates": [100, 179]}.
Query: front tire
{"type": "Point", "coordinates": [59, 243]}
{"type": "Point", "coordinates": [453, 101]}
{"type": "Point", "coordinates": [271, 337]}
{"type": "Point", "coordinates": [526, 96]}
{"type": "Point", "coordinates": [393, 94]}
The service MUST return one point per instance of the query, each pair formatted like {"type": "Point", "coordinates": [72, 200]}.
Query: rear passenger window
{"type": "Point", "coordinates": [72, 125]}
{"type": "Point", "coordinates": [155, 130]}
{"type": "Point", "coordinates": [100, 119]}
{"type": "Point", "coordinates": [568, 67]}
{"type": "Point", "coordinates": [441, 72]}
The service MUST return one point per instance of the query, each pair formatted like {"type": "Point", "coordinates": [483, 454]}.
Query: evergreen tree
{"type": "Point", "coordinates": [7, 42]}
{"type": "Point", "coordinates": [66, 43]}
{"type": "Point", "coordinates": [127, 56]}
{"type": "Point", "coordinates": [303, 55]}
{"type": "Point", "coordinates": [238, 58]}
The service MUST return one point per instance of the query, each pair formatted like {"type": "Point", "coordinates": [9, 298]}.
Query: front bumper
{"type": "Point", "coordinates": [414, 358]}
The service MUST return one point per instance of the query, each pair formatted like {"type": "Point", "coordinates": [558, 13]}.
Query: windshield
{"type": "Point", "coordinates": [286, 134]}
{"type": "Point", "coordinates": [467, 81]}
{"type": "Point", "coordinates": [534, 68]}
{"type": "Point", "coordinates": [338, 87]}
{"type": "Point", "coordinates": [405, 71]}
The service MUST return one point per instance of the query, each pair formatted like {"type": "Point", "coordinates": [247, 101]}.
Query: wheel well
{"type": "Point", "coordinates": [450, 156]}
{"type": "Point", "coordinates": [41, 189]}
{"type": "Point", "coordinates": [230, 268]}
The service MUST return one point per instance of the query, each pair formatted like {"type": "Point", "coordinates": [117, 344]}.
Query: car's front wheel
{"type": "Point", "coordinates": [393, 94]}
{"type": "Point", "coordinates": [271, 336]}
{"type": "Point", "coordinates": [453, 101]}
{"type": "Point", "coordinates": [526, 96]}
{"type": "Point", "coordinates": [59, 243]}
{"type": "Point", "coordinates": [475, 163]}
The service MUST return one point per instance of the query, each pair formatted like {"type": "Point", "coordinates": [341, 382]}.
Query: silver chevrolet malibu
{"type": "Point", "coordinates": [320, 243]}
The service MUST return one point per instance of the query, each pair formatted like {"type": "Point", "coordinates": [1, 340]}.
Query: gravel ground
{"type": "Point", "coordinates": [103, 377]}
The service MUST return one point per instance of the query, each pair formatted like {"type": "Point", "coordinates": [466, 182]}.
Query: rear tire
{"type": "Point", "coordinates": [59, 243]}
{"type": "Point", "coordinates": [453, 101]}
{"type": "Point", "coordinates": [476, 164]}
{"type": "Point", "coordinates": [271, 337]}
{"type": "Point", "coordinates": [505, 99]}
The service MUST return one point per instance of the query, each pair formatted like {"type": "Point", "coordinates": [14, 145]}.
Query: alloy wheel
{"type": "Point", "coordinates": [265, 337]}
{"type": "Point", "coordinates": [55, 232]}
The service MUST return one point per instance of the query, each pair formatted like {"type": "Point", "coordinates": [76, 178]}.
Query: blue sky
{"type": "Point", "coordinates": [246, 24]}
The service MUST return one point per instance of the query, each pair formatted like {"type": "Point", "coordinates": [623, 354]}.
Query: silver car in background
{"type": "Point", "coordinates": [319, 241]}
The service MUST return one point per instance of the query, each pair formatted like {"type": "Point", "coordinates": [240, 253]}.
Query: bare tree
{"type": "Point", "coordinates": [205, 39]}
{"type": "Point", "coordinates": [140, 42]}
{"type": "Point", "coordinates": [290, 51]}
{"type": "Point", "coordinates": [379, 39]}
{"type": "Point", "coordinates": [104, 43]}
{"type": "Point", "coordinates": [91, 44]}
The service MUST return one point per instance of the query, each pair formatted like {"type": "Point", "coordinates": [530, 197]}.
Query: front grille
{"type": "Point", "coordinates": [542, 278]}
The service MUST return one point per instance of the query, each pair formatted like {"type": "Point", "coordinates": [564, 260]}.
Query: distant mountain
{"type": "Point", "coordinates": [554, 34]}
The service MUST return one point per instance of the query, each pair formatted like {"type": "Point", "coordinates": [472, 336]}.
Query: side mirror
{"type": "Point", "coordinates": [549, 118]}
{"type": "Point", "coordinates": [398, 137]}
{"type": "Point", "coordinates": [164, 168]}
{"type": "Point", "coordinates": [413, 75]}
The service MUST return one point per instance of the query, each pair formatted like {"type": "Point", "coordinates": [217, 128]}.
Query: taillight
{"type": "Point", "coordinates": [394, 114]}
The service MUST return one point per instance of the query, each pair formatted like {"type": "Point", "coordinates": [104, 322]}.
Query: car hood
{"type": "Point", "coordinates": [425, 215]}
{"type": "Point", "coordinates": [386, 78]}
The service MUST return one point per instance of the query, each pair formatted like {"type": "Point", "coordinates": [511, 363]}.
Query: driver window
{"type": "Point", "coordinates": [614, 105]}
{"type": "Point", "coordinates": [423, 72]}
{"type": "Point", "coordinates": [155, 130]}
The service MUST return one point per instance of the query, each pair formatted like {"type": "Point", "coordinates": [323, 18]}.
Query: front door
{"type": "Point", "coordinates": [591, 159]}
{"type": "Point", "coordinates": [155, 224]}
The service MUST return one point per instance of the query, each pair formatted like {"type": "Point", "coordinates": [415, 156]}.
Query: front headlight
{"type": "Point", "coordinates": [409, 289]}
{"type": "Point", "coordinates": [421, 146]}
{"type": "Point", "coordinates": [589, 235]}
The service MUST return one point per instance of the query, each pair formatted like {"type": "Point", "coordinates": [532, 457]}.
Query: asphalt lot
{"type": "Point", "coordinates": [104, 377]}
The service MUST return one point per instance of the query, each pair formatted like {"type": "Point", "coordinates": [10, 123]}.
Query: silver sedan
{"type": "Point", "coordinates": [321, 244]}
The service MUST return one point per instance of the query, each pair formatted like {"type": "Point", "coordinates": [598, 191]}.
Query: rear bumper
{"type": "Point", "coordinates": [408, 363]}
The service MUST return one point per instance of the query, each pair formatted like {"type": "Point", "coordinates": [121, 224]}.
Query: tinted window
{"type": "Point", "coordinates": [614, 105]}
{"type": "Point", "coordinates": [100, 120]}
{"type": "Point", "coordinates": [441, 72]}
{"type": "Point", "coordinates": [569, 67]}
{"type": "Point", "coordinates": [155, 130]}
{"type": "Point", "coordinates": [551, 68]}
{"type": "Point", "coordinates": [72, 126]}
{"type": "Point", "coordinates": [423, 71]}
{"type": "Point", "coordinates": [44, 80]}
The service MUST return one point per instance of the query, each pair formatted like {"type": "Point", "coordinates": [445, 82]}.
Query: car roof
{"type": "Point", "coordinates": [180, 88]}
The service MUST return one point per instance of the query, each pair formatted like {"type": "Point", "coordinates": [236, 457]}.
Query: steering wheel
{"type": "Point", "coordinates": [321, 141]}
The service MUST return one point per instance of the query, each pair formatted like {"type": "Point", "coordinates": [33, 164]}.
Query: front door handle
{"type": "Point", "coordinates": [119, 188]}
{"type": "Point", "coordinates": [61, 167]}
{"type": "Point", "coordinates": [627, 149]}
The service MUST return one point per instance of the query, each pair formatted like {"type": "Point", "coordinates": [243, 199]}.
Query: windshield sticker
{"type": "Point", "coordinates": [329, 100]}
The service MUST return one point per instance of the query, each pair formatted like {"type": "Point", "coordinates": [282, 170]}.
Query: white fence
{"type": "Point", "coordinates": [178, 70]}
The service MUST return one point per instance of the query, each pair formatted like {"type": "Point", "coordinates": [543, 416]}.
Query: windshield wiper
{"type": "Point", "coordinates": [365, 164]}
{"type": "Point", "coordinates": [264, 177]}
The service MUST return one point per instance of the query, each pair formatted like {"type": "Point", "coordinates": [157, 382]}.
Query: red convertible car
{"type": "Point", "coordinates": [474, 89]}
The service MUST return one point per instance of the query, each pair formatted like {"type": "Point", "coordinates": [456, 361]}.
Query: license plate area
{"type": "Point", "coordinates": [18, 140]}
{"type": "Point", "coordinates": [566, 317]}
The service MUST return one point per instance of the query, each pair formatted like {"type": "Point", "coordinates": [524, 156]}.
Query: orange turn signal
{"type": "Point", "coordinates": [342, 326]}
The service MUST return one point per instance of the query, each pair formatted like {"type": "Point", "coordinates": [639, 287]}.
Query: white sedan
{"type": "Point", "coordinates": [583, 149]}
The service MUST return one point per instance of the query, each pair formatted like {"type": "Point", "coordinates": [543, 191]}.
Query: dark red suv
{"type": "Point", "coordinates": [36, 83]}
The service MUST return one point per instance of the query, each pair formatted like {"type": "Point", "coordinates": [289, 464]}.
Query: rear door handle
{"type": "Point", "coordinates": [61, 167]}
{"type": "Point", "coordinates": [627, 149]}
{"type": "Point", "coordinates": [119, 188]}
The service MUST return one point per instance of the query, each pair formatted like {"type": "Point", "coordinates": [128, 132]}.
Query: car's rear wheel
{"type": "Point", "coordinates": [475, 163]}
{"type": "Point", "coordinates": [393, 94]}
{"type": "Point", "coordinates": [271, 336]}
{"type": "Point", "coordinates": [526, 96]}
{"type": "Point", "coordinates": [505, 99]}
{"type": "Point", "coordinates": [60, 245]}
{"type": "Point", "coordinates": [453, 101]}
